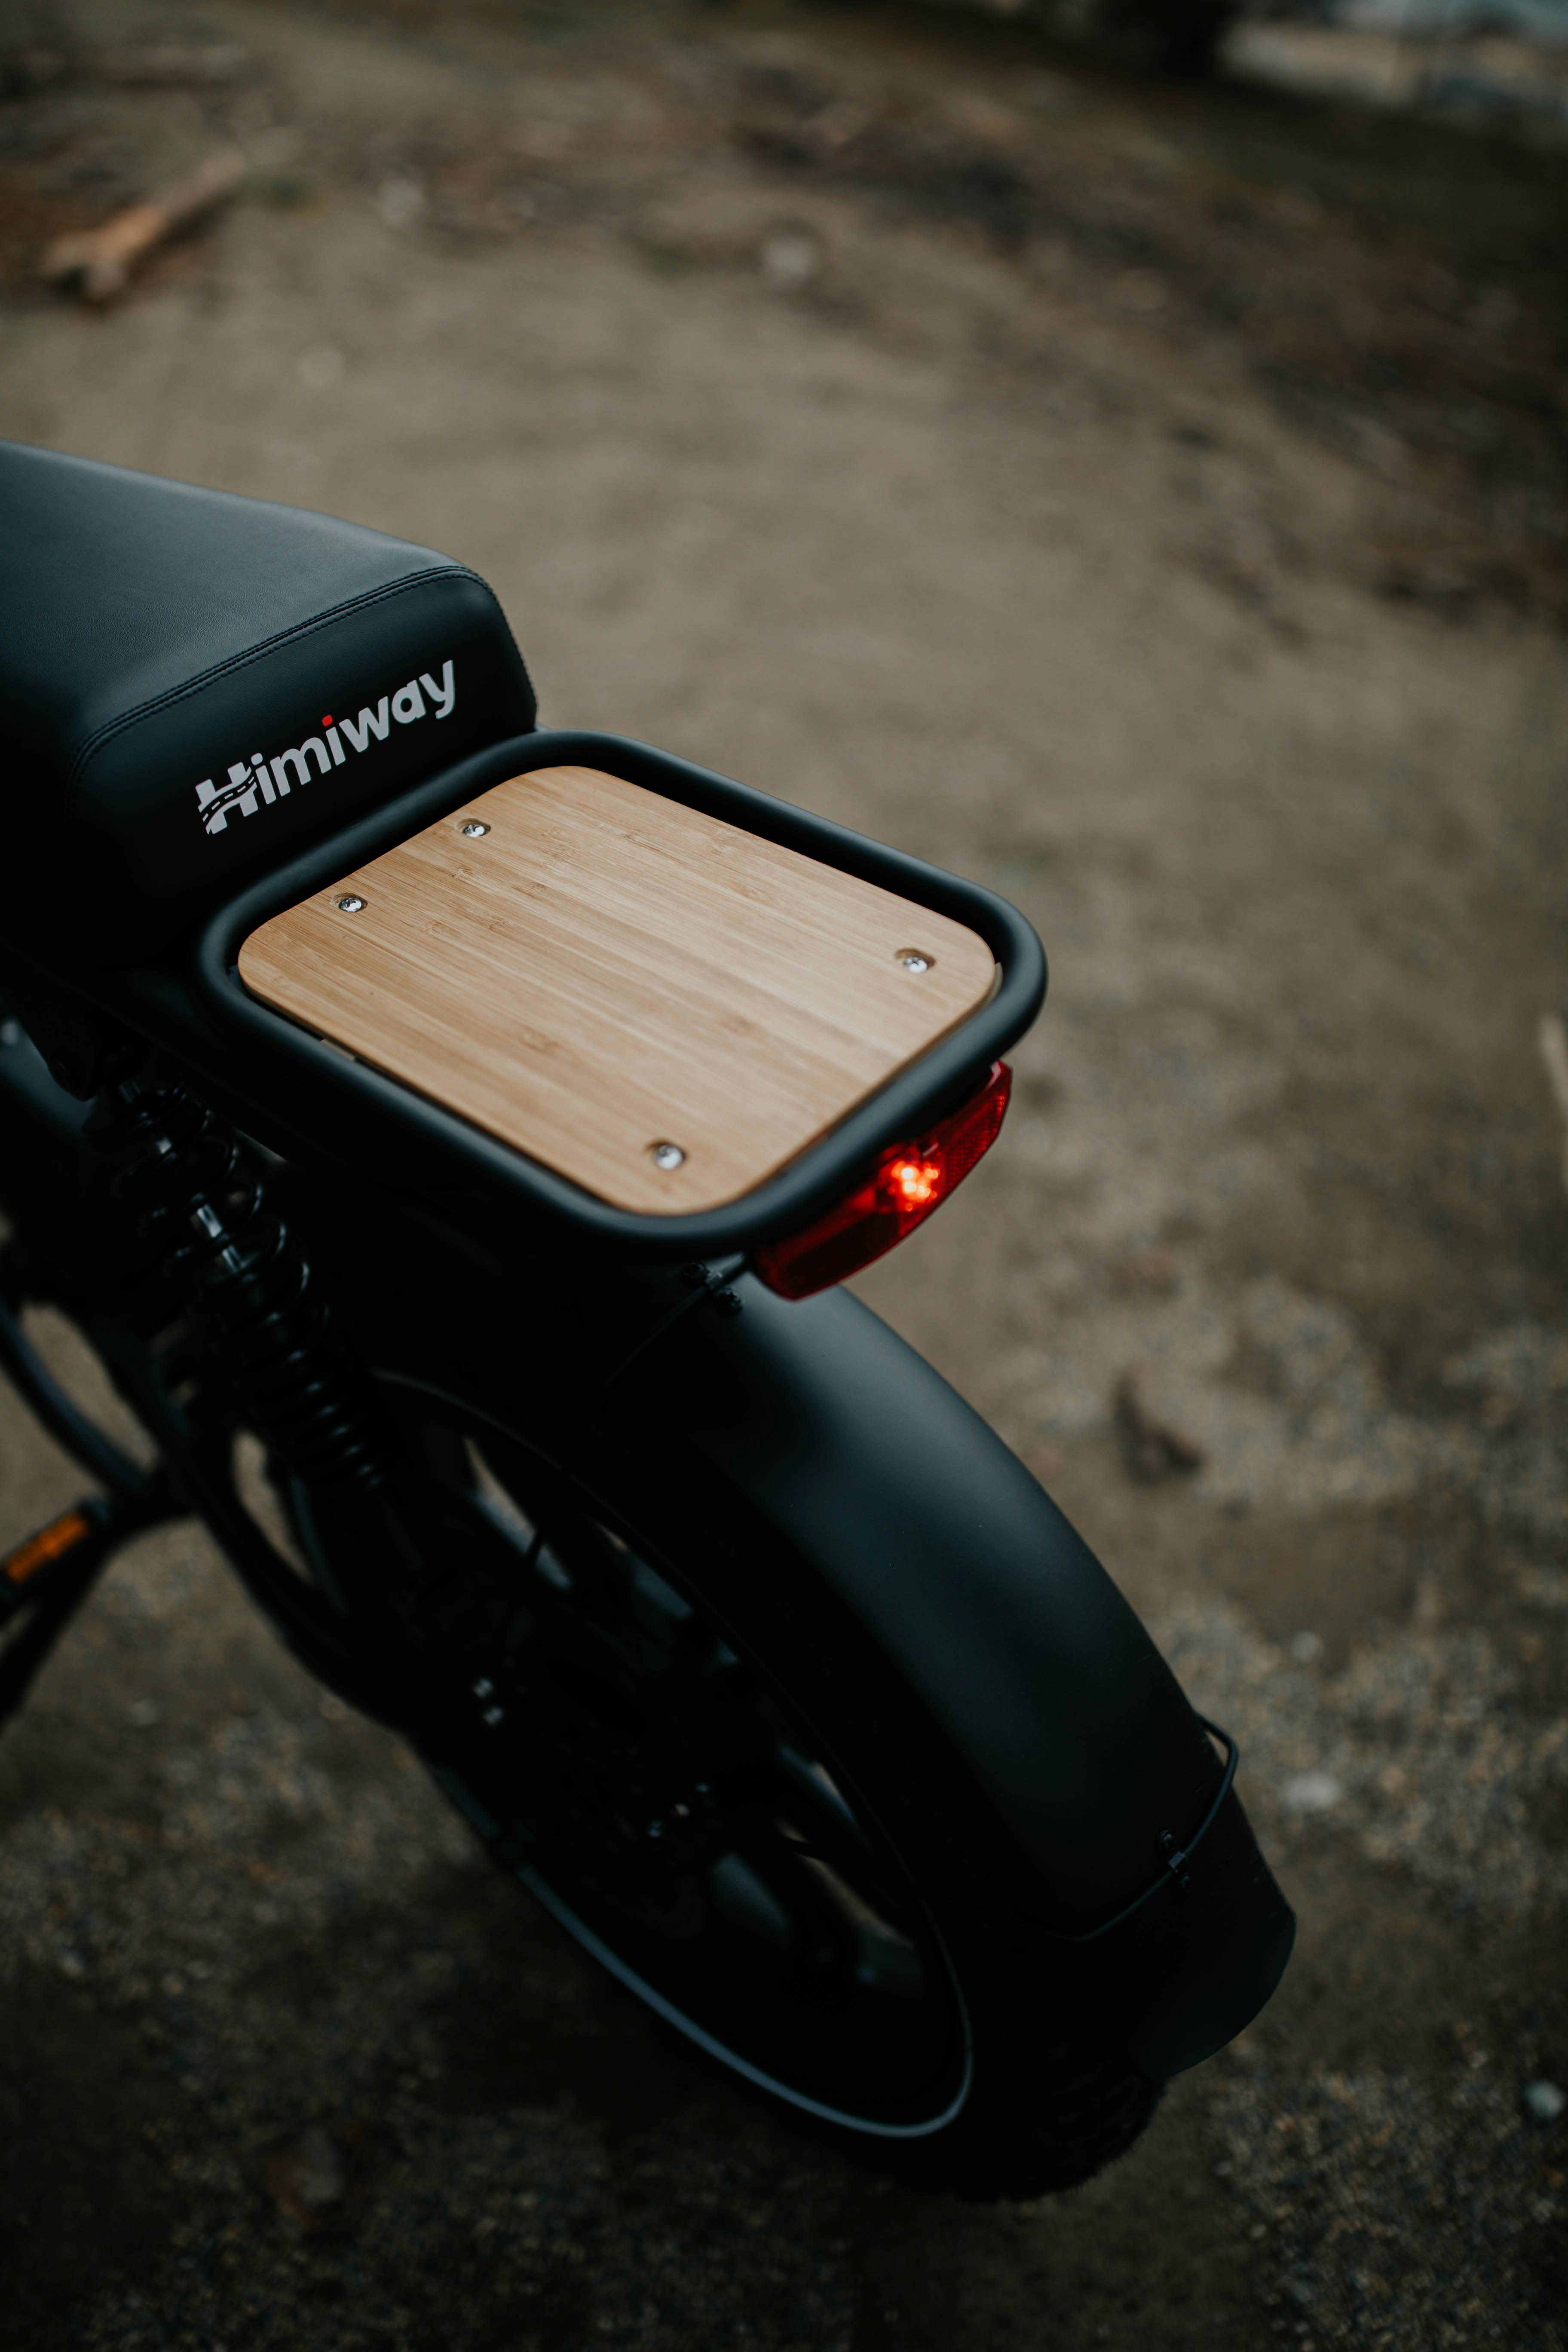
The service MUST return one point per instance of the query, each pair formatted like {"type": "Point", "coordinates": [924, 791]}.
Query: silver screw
{"type": "Point", "coordinates": [668, 1156]}
{"type": "Point", "coordinates": [494, 1715]}
{"type": "Point", "coordinates": [473, 829]}
{"type": "Point", "coordinates": [913, 960]}
{"type": "Point", "coordinates": [351, 905]}
{"type": "Point", "coordinates": [484, 1687]}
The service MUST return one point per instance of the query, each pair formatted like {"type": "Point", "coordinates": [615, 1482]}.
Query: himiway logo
{"type": "Point", "coordinates": [254, 782]}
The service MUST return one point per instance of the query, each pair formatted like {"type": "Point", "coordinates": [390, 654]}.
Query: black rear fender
{"type": "Point", "coordinates": [996, 1612]}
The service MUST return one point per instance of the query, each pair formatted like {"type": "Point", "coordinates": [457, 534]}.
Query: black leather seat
{"type": "Point", "coordinates": [196, 687]}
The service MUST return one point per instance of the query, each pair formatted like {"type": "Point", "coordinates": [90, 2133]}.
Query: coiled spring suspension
{"type": "Point", "coordinates": [197, 1198]}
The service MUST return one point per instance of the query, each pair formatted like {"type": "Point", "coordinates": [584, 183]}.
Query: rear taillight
{"type": "Point", "coordinates": [909, 1182]}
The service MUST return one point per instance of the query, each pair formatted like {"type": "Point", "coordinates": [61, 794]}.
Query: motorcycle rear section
{"type": "Point", "coordinates": [1078, 1871]}
{"type": "Point", "coordinates": [755, 1656]}
{"type": "Point", "coordinates": [736, 1635]}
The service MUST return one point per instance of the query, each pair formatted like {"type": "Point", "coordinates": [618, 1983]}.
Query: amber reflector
{"type": "Point", "coordinates": [910, 1180]}
{"type": "Point", "coordinates": [50, 1543]}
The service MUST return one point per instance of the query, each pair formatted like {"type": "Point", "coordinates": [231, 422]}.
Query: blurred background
{"type": "Point", "coordinates": [1119, 451]}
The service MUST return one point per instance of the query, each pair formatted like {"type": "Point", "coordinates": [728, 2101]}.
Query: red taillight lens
{"type": "Point", "coordinates": [910, 1180]}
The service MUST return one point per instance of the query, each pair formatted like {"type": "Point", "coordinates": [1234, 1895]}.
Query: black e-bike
{"type": "Point", "coordinates": [474, 1122]}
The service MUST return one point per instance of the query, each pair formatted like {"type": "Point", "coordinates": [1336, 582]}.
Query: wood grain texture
{"type": "Point", "coordinates": [605, 970]}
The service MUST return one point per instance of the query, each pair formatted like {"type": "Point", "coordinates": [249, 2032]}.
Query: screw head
{"type": "Point", "coordinates": [913, 960]}
{"type": "Point", "coordinates": [350, 905]}
{"type": "Point", "coordinates": [473, 829]}
{"type": "Point", "coordinates": [667, 1157]}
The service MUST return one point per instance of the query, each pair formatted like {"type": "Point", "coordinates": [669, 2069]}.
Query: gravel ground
{"type": "Point", "coordinates": [1153, 503]}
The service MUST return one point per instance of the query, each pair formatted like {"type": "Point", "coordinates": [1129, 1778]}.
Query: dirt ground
{"type": "Point", "coordinates": [1151, 501]}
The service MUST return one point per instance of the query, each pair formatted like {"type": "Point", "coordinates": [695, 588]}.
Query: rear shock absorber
{"type": "Point", "coordinates": [197, 1199]}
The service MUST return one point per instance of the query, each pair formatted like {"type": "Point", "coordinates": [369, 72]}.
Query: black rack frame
{"type": "Point", "coordinates": [306, 1077]}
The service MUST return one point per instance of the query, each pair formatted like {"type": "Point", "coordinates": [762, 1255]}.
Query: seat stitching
{"type": "Point", "coordinates": [173, 695]}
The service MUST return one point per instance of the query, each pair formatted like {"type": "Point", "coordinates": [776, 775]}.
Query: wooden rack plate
{"type": "Point", "coordinates": [603, 972]}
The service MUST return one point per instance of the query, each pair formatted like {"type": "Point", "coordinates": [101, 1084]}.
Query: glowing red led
{"type": "Point", "coordinates": [907, 1183]}
{"type": "Point", "coordinates": [913, 1182]}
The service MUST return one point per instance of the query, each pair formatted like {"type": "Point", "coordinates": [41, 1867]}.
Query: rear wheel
{"type": "Point", "coordinates": [656, 1717]}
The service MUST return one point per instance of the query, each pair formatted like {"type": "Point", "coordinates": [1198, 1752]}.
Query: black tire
{"type": "Point", "coordinates": [828, 1906]}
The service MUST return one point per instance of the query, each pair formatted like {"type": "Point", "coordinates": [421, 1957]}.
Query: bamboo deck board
{"type": "Point", "coordinates": [605, 970]}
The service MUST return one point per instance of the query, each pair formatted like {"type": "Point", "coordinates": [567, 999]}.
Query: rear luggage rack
{"type": "Point", "coordinates": [678, 1012]}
